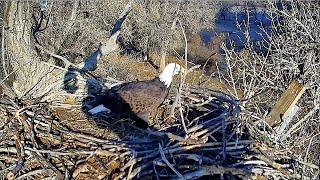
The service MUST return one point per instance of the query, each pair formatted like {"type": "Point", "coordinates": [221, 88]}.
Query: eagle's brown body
{"type": "Point", "coordinates": [138, 100]}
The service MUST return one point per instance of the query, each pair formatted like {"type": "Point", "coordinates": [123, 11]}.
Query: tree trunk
{"type": "Point", "coordinates": [33, 77]}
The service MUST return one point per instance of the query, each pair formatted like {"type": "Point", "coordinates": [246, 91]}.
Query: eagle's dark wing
{"type": "Point", "coordinates": [143, 97]}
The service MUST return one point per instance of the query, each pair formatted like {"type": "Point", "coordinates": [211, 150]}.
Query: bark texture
{"type": "Point", "coordinates": [33, 77]}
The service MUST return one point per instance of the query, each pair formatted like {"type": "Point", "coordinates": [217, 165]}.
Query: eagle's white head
{"type": "Point", "coordinates": [169, 71]}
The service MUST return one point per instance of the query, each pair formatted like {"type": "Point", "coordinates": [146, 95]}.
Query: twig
{"type": "Point", "coordinates": [49, 64]}
{"type": "Point", "coordinates": [168, 134]}
{"type": "Point", "coordinates": [307, 152]}
{"type": "Point", "coordinates": [224, 138]}
{"type": "Point", "coordinates": [32, 173]}
{"type": "Point", "coordinates": [168, 163]}
{"type": "Point", "coordinates": [273, 164]}
{"type": "Point", "coordinates": [201, 159]}
{"type": "Point", "coordinates": [19, 146]}
{"type": "Point", "coordinates": [308, 164]}
{"type": "Point", "coordinates": [130, 169]}
{"type": "Point", "coordinates": [295, 126]}
{"type": "Point", "coordinates": [44, 162]}
{"type": "Point", "coordinates": [65, 60]}
{"type": "Point", "coordinates": [178, 96]}
{"type": "Point", "coordinates": [298, 22]}
{"type": "Point", "coordinates": [16, 169]}
{"type": "Point", "coordinates": [213, 170]}
{"type": "Point", "coordinates": [57, 153]}
{"type": "Point", "coordinates": [14, 71]}
{"type": "Point", "coordinates": [2, 54]}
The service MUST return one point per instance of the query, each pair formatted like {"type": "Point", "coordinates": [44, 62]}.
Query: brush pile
{"type": "Point", "coordinates": [204, 138]}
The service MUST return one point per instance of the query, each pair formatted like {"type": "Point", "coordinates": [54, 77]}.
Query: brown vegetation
{"type": "Point", "coordinates": [199, 130]}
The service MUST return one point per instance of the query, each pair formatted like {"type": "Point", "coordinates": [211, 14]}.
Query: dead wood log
{"type": "Point", "coordinates": [285, 104]}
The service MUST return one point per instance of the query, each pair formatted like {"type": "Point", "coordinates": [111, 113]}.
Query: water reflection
{"type": "Point", "coordinates": [242, 24]}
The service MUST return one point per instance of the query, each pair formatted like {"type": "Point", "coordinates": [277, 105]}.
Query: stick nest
{"type": "Point", "coordinates": [204, 137]}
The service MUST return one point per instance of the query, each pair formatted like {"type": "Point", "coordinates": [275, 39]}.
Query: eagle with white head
{"type": "Point", "coordinates": [138, 100]}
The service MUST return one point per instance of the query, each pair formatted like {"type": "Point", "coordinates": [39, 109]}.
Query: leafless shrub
{"type": "Point", "coordinates": [152, 25]}
{"type": "Point", "coordinates": [297, 52]}
{"type": "Point", "coordinates": [293, 53]}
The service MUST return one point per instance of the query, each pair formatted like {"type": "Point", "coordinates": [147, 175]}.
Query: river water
{"type": "Point", "coordinates": [243, 24]}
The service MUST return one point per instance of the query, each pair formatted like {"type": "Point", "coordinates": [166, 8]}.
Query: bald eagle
{"type": "Point", "coordinates": [138, 100]}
